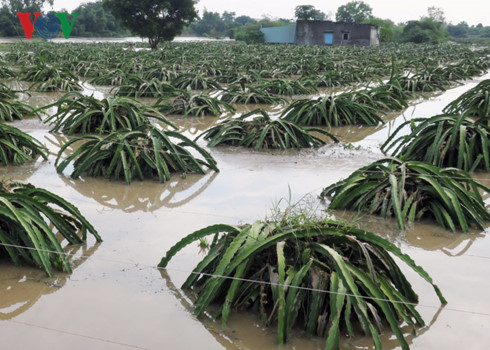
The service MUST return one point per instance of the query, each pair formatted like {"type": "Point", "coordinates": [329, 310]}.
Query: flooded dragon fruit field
{"type": "Point", "coordinates": [117, 298]}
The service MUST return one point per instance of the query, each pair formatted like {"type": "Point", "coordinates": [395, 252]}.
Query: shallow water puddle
{"type": "Point", "coordinates": [117, 299]}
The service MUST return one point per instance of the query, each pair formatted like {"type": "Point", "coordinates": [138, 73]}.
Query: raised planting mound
{"type": "Point", "coordinates": [331, 110]}
{"type": "Point", "coordinates": [31, 222]}
{"type": "Point", "coordinates": [445, 141]}
{"type": "Point", "coordinates": [324, 277]}
{"type": "Point", "coordinates": [17, 147]}
{"type": "Point", "coordinates": [262, 132]}
{"type": "Point", "coordinates": [412, 190]}
{"type": "Point", "coordinates": [79, 114]}
{"type": "Point", "coordinates": [142, 153]}
{"type": "Point", "coordinates": [474, 102]}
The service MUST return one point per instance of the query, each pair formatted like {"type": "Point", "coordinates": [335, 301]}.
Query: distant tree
{"type": "Point", "coordinates": [153, 19]}
{"type": "Point", "coordinates": [485, 32]}
{"type": "Point", "coordinates": [426, 30]}
{"type": "Point", "coordinates": [436, 13]}
{"type": "Point", "coordinates": [211, 22]}
{"type": "Point", "coordinates": [95, 20]}
{"type": "Point", "coordinates": [307, 12]}
{"type": "Point", "coordinates": [9, 22]}
{"type": "Point", "coordinates": [354, 12]}
{"type": "Point", "coordinates": [387, 28]}
{"type": "Point", "coordinates": [25, 5]}
{"type": "Point", "coordinates": [459, 30]}
{"type": "Point", "coordinates": [242, 20]}
{"type": "Point", "coordinates": [249, 33]}
{"type": "Point", "coordinates": [228, 19]}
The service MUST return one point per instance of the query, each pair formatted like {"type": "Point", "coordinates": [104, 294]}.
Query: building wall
{"type": "Point", "coordinates": [283, 34]}
{"type": "Point", "coordinates": [343, 34]}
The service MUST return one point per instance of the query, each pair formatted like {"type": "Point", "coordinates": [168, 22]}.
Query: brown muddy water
{"type": "Point", "coordinates": [116, 298]}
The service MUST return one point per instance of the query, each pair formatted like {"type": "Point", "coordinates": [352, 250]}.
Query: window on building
{"type": "Point", "coordinates": [345, 36]}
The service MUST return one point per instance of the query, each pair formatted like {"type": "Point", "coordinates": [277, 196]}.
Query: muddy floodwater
{"type": "Point", "coordinates": [116, 298]}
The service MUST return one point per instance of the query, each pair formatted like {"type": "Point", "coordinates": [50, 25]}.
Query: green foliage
{"type": "Point", "coordinates": [436, 14]}
{"type": "Point", "coordinates": [246, 95]}
{"type": "Point", "coordinates": [412, 190]}
{"type": "Point", "coordinates": [262, 132]}
{"type": "Point", "coordinates": [424, 81]}
{"type": "Point", "coordinates": [211, 24]}
{"type": "Point", "coordinates": [35, 218]}
{"type": "Point", "coordinates": [387, 29]}
{"type": "Point", "coordinates": [113, 77]}
{"type": "Point", "coordinates": [6, 72]}
{"type": "Point", "coordinates": [425, 31]}
{"type": "Point", "coordinates": [17, 147]}
{"type": "Point", "coordinates": [40, 72]}
{"type": "Point", "coordinates": [10, 25]}
{"type": "Point", "coordinates": [48, 78]}
{"type": "Point", "coordinates": [6, 92]}
{"type": "Point", "coordinates": [140, 87]}
{"type": "Point", "coordinates": [249, 33]}
{"type": "Point", "coordinates": [196, 81]}
{"type": "Point", "coordinates": [144, 152]}
{"type": "Point", "coordinates": [474, 102]}
{"type": "Point", "coordinates": [387, 97]}
{"type": "Point", "coordinates": [293, 261]}
{"type": "Point", "coordinates": [94, 20]}
{"type": "Point", "coordinates": [197, 105]}
{"type": "Point", "coordinates": [153, 19]}
{"type": "Point", "coordinates": [288, 87]}
{"type": "Point", "coordinates": [354, 12]}
{"type": "Point", "coordinates": [444, 141]}
{"type": "Point", "coordinates": [13, 109]}
{"type": "Point", "coordinates": [459, 30]}
{"type": "Point", "coordinates": [307, 12]}
{"type": "Point", "coordinates": [331, 110]}
{"type": "Point", "coordinates": [87, 115]}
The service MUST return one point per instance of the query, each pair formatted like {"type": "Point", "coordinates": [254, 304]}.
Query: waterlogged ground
{"type": "Point", "coordinates": [117, 299]}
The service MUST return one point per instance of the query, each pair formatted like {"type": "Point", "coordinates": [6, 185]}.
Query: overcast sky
{"type": "Point", "coordinates": [471, 11]}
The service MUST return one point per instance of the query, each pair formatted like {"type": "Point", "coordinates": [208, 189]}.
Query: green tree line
{"type": "Point", "coordinates": [95, 20]}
